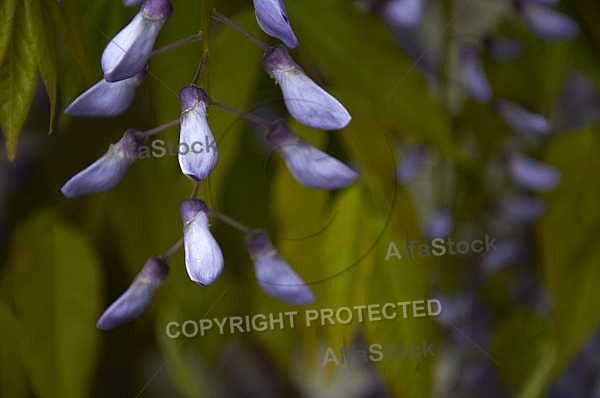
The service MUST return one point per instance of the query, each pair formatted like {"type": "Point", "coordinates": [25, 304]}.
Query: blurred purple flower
{"type": "Point", "coordinates": [508, 251]}
{"type": "Point", "coordinates": [195, 132]}
{"type": "Point", "coordinates": [439, 224]}
{"type": "Point", "coordinates": [203, 257]}
{"type": "Point", "coordinates": [309, 166]}
{"type": "Point", "coordinates": [518, 209]}
{"type": "Point", "coordinates": [405, 13]}
{"type": "Point", "coordinates": [531, 174]}
{"type": "Point", "coordinates": [474, 76]}
{"type": "Point", "coordinates": [308, 103]}
{"type": "Point", "coordinates": [129, 50]}
{"type": "Point", "coordinates": [106, 99]}
{"type": "Point", "coordinates": [274, 275]}
{"type": "Point", "coordinates": [132, 3]}
{"type": "Point", "coordinates": [272, 18]}
{"type": "Point", "coordinates": [578, 104]}
{"type": "Point", "coordinates": [521, 120]}
{"type": "Point", "coordinates": [502, 49]}
{"type": "Point", "coordinates": [136, 298]}
{"type": "Point", "coordinates": [547, 23]}
{"type": "Point", "coordinates": [106, 172]}
{"type": "Point", "coordinates": [412, 161]}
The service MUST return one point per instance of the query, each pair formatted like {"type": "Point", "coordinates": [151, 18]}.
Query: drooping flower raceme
{"type": "Point", "coordinates": [309, 166]}
{"type": "Point", "coordinates": [272, 18]}
{"type": "Point", "coordinates": [136, 298]}
{"type": "Point", "coordinates": [129, 50]}
{"type": "Point", "coordinates": [274, 275]}
{"type": "Point", "coordinates": [203, 257]}
{"type": "Point", "coordinates": [199, 155]}
{"type": "Point", "coordinates": [521, 120]}
{"type": "Point", "coordinates": [308, 103]}
{"type": "Point", "coordinates": [106, 99]}
{"type": "Point", "coordinates": [106, 172]}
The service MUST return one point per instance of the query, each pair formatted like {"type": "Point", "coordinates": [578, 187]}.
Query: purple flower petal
{"type": "Point", "coordinates": [106, 172]}
{"type": "Point", "coordinates": [308, 103]}
{"type": "Point", "coordinates": [532, 175]}
{"type": "Point", "coordinates": [439, 225]}
{"type": "Point", "coordinates": [507, 252]}
{"type": "Point", "coordinates": [274, 275]}
{"type": "Point", "coordinates": [132, 3]}
{"type": "Point", "coordinates": [547, 23]}
{"type": "Point", "coordinates": [198, 154]}
{"type": "Point", "coordinates": [502, 49]}
{"type": "Point", "coordinates": [309, 166]}
{"type": "Point", "coordinates": [412, 161]}
{"type": "Point", "coordinates": [106, 99]}
{"type": "Point", "coordinates": [203, 257]}
{"type": "Point", "coordinates": [523, 121]}
{"type": "Point", "coordinates": [272, 18]}
{"type": "Point", "coordinates": [518, 209]}
{"type": "Point", "coordinates": [129, 50]}
{"type": "Point", "coordinates": [474, 76]}
{"type": "Point", "coordinates": [578, 104]}
{"type": "Point", "coordinates": [136, 298]}
{"type": "Point", "coordinates": [404, 13]}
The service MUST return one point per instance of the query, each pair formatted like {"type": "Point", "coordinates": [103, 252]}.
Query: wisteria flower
{"type": "Point", "coordinates": [199, 155]}
{"type": "Point", "coordinates": [136, 298]}
{"type": "Point", "coordinates": [523, 121]}
{"type": "Point", "coordinates": [274, 275]}
{"type": "Point", "coordinates": [272, 18]}
{"type": "Point", "coordinates": [309, 166]}
{"type": "Point", "coordinates": [474, 76]}
{"type": "Point", "coordinates": [308, 103]}
{"type": "Point", "coordinates": [531, 174]}
{"type": "Point", "coordinates": [502, 49]}
{"type": "Point", "coordinates": [405, 13]}
{"type": "Point", "coordinates": [518, 209]}
{"type": "Point", "coordinates": [106, 99]}
{"type": "Point", "coordinates": [129, 50]}
{"type": "Point", "coordinates": [132, 3]}
{"type": "Point", "coordinates": [203, 258]}
{"type": "Point", "coordinates": [106, 172]}
{"type": "Point", "coordinates": [547, 23]}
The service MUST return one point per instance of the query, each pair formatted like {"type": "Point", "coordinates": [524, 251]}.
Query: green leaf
{"type": "Point", "coordinates": [56, 300]}
{"type": "Point", "coordinates": [13, 382]}
{"type": "Point", "coordinates": [18, 78]}
{"type": "Point", "coordinates": [570, 242]}
{"type": "Point", "coordinates": [44, 40]}
{"type": "Point", "coordinates": [7, 12]}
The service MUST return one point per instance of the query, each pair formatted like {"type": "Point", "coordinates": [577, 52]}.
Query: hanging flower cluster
{"type": "Point", "coordinates": [125, 64]}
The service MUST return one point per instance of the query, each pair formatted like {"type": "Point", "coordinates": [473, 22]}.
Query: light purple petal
{"type": "Point", "coordinates": [518, 209]}
{"type": "Point", "coordinates": [474, 76]}
{"type": "Point", "coordinates": [502, 49]}
{"type": "Point", "coordinates": [203, 257]}
{"type": "Point", "coordinates": [404, 13]}
{"type": "Point", "coordinates": [412, 160]}
{"type": "Point", "coordinates": [129, 50]}
{"type": "Point", "coordinates": [308, 103]}
{"type": "Point", "coordinates": [275, 277]}
{"type": "Point", "coordinates": [523, 121]}
{"type": "Point", "coordinates": [309, 166]}
{"type": "Point", "coordinates": [507, 252]}
{"type": "Point", "coordinates": [201, 156]}
{"type": "Point", "coordinates": [132, 3]}
{"type": "Point", "coordinates": [439, 225]}
{"type": "Point", "coordinates": [533, 175]}
{"type": "Point", "coordinates": [272, 18]}
{"type": "Point", "coordinates": [106, 172]}
{"type": "Point", "coordinates": [104, 99]}
{"type": "Point", "coordinates": [133, 302]}
{"type": "Point", "coordinates": [547, 23]}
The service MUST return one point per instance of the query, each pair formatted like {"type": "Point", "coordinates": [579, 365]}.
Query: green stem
{"type": "Point", "coordinates": [206, 21]}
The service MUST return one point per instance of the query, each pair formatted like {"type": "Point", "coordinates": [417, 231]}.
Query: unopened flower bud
{"type": "Point", "coordinates": [136, 298]}
{"type": "Point", "coordinates": [274, 275]}
{"type": "Point", "coordinates": [439, 224]}
{"type": "Point", "coordinates": [547, 23]}
{"type": "Point", "coordinates": [203, 257]}
{"type": "Point", "coordinates": [106, 99]}
{"type": "Point", "coordinates": [521, 120]}
{"type": "Point", "coordinates": [272, 18]}
{"type": "Point", "coordinates": [531, 174]}
{"type": "Point", "coordinates": [404, 13]}
{"type": "Point", "coordinates": [308, 103]}
{"type": "Point", "coordinates": [198, 154]}
{"type": "Point", "coordinates": [309, 166]}
{"type": "Point", "coordinates": [129, 50]}
{"type": "Point", "coordinates": [474, 76]}
{"type": "Point", "coordinates": [106, 172]}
